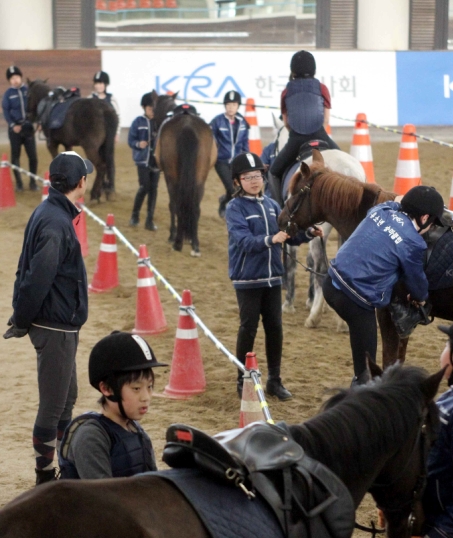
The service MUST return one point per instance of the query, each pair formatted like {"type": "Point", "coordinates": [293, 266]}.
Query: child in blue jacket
{"type": "Point", "coordinates": [255, 266]}
{"type": "Point", "coordinates": [142, 140]}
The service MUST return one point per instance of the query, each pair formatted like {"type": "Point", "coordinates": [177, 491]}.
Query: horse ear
{"type": "Point", "coordinates": [28, 81]}
{"type": "Point", "coordinates": [305, 170]}
{"type": "Point", "coordinates": [373, 369]}
{"type": "Point", "coordinates": [431, 385]}
{"type": "Point", "coordinates": [45, 81]}
{"type": "Point", "coordinates": [317, 157]}
{"type": "Point", "coordinates": [175, 95]}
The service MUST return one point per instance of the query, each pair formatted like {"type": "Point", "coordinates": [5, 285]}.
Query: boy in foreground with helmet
{"type": "Point", "coordinates": [386, 247]}
{"type": "Point", "coordinates": [255, 266]}
{"type": "Point", "coordinates": [305, 107]}
{"type": "Point", "coordinates": [112, 443]}
{"type": "Point", "coordinates": [101, 80]}
{"type": "Point", "coordinates": [20, 131]}
{"type": "Point", "coordinates": [231, 134]}
{"type": "Point", "coordinates": [142, 140]}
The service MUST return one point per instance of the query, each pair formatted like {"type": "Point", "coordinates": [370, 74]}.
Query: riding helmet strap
{"type": "Point", "coordinates": [116, 396]}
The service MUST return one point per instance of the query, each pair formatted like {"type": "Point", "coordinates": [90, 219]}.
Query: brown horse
{"type": "Point", "coordinates": [90, 123]}
{"type": "Point", "coordinates": [385, 427]}
{"type": "Point", "coordinates": [185, 152]}
{"type": "Point", "coordinates": [320, 195]}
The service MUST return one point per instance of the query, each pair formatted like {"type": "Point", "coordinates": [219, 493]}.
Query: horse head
{"type": "Point", "coordinates": [163, 104]}
{"type": "Point", "coordinates": [37, 90]}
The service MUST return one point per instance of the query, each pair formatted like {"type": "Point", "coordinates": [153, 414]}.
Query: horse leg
{"type": "Point", "coordinates": [195, 243]}
{"type": "Point", "coordinates": [52, 146]}
{"type": "Point", "coordinates": [94, 157]}
{"type": "Point", "coordinates": [290, 261]}
{"type": "Point", "coordinates": [319, 266]}
{"type": "Point", "coordinates": [393, 347]}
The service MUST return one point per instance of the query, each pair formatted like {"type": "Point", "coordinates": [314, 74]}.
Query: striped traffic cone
{"type": "Point", "coordinates": [80, 226]}
{"type": "Point", "coordinates": [407, 173]}
{"type": "Point", "coordinates": [254, 131]}
{"type": "Point", "coordinates": [106, 272]}
{"type": "Point", "coordinates": [7, 198]}
{"type": "Point", "coordinates": [361, 146]}
{"type": "Point", "coordinates": [149, 317]}
{"type": "Point", "coordinates": [45, 187]}
{"type": "Point", "coordinates": [329, 130]}
{"type": "Point", "coordinates": [250, 405]}
{"type": "Point", "coordinates": [187, 373]}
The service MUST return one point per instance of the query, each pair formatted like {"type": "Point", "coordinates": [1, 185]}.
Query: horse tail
{"type": "Point", "coordinates": [188, 197]}
{"type": "Point", "coordinates": [107, 150]}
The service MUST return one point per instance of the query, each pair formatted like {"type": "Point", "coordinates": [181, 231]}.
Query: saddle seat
{"type": "Point", "coordinates": [307, 498]}
{"type": "Point", "coordinates": [52, 109]}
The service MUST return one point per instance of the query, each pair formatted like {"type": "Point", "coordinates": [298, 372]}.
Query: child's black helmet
{"type": "Point", "coordinates": [147, 100]}
{"type": "Point", "coordinates": [303, 64]}
{"type": "Point", "coordinates": [117, 353]}
{"type": "Point", "coordinates": [13, 70]}
{"type": "Point", "coordinates": [232, 97]}
{"type": "Point", "coordinates": [246, 162]}
{"type": "Point", "coordinates": [101, 76]}
{"type": "Point", "coordinates": [422, 200]}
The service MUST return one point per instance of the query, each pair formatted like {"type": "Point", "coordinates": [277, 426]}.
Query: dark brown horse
{"type": "Point", "coordinates": [90, 123]}
{"type": "Point", "coordinates": [320, 195]}
{"type": "Point", "coordinates": [185, 152]}
{"type": "Point", "coordinates": [385, 428]}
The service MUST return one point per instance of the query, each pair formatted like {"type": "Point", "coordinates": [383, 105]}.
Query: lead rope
{"type": "Point", "coordinates": [312, 271]}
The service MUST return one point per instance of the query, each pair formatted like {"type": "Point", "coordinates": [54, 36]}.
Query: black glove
{"type": "Point", "coordinates": [14, 332]}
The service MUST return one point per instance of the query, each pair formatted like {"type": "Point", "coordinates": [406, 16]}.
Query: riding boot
{"type": "Point", "coordinates": [45, 476]}
{"type": "Point", "coordinates": [274, 387]}
{"type": "Point", "coordinates": [135, 219]}
{"type": "Point", "coordinates": [152, 198]}
{"type": "Point", "coordinates": [139, 197]}
{"type": "Point", "coordinates": [149, 223]}
{"type": "Point", "coordinates": [33, 186]}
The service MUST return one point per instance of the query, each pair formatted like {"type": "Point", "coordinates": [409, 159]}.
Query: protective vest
{"type": "Point", "coordinates": [304, 105]}
{"type": "Point", "coordinates": [130, 453]}
{"type": "Point", "coordinates": [107, 98]}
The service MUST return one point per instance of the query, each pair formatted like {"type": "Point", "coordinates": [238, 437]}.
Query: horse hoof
{"type": "Point", "coordinates": [311, 323]}
{"type": "Point", "coordinates": [342, 326]}
{"type": "Point", "coordinates": [93, 201]}
{"type": "Point", "coordinates": [288, 308]}
{"type": "Point", "coordinates": [195, 253]}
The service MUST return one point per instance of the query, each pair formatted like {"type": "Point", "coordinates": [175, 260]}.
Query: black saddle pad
{"type": "Point", "coordinates": [59, 111]}
{"type": "Point", "coordinates": [439, 270]}
{"type": "Point", "coordinates": [225, 511]}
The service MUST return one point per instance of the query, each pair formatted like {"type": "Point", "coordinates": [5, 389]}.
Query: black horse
{"type": "Point", "coordinates": [90, 123]}
{"type": "Point", "coordinates": [374, 438]}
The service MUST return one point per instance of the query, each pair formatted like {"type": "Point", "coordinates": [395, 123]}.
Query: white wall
{"type": "Point", "coordinates": [26, 24]}
{"type": "Point", "coordinates": [383, 25]}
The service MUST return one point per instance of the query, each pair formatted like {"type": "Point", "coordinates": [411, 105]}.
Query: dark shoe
{"type": "Point", "coordinates": [134, 221]}
{"type": "Point", "coordinates": [274, 387]}
{"type": "Point", "coordinates": [45, 476]}
{"type": "Point", "coordinates": [149, 225]}
{"type": "Point", "coordinates": [240, 386]}
{"type": "Point", "coordinates": [33, 186]}
{"type": "Point", "coordinates": [222, 206]}
{"type": "Point", "coordinates": [361, 379]}
{"type": "Point", "coordinates": [19, 187]}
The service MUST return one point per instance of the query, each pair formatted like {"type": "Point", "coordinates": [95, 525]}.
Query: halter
{"type": "Point", "coordinates": [300, 196]}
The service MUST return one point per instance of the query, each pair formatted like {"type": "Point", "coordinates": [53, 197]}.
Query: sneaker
{"type": "Point", "coordinates": [33, 186]}
{"type": "Point", "coordinates": [19, 188]}
{"type": "Point", "coordinates": [274, 387]}
{"type": "Point", "coordinates": [43, 476]}
{"type": "Point", "coordinates": [134, 221]}
{"type": "Point", "coordinates": [149, 225]}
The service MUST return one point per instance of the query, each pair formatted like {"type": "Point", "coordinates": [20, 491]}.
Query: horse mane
{"type": "Point", "coordinates": [369, 419]}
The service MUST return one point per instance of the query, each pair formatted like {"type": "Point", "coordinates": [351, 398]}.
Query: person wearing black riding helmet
{"type": "Point", "coordinates": [231, 134]}
{"type": "Point", "coordinates": [112, 443]}
{"type": "Point", "coordinates": [385, 248]}
{"type": "Point", "coordinates": [101, 80]}
{"type": "Point", "coordinates": [438, 496]}
{"type": "Point", "coordinates": [255, 266]}
{"type": "Point", "coordinates": [305, 107]}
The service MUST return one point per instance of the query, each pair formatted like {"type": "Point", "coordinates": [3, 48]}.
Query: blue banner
{"type": "Point", "coordinates": [425, 87]}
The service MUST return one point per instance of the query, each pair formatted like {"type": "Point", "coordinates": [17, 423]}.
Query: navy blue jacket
{"type": "Point", "coordinates": [438, 498]}
{"type": "Point", "coordinates": [254, 261]}
{"type": "Point", "coordinates": [142, 128]}
{"type": "Point", "coordinates": [304, 105]}
{"type": "Point", "coordinates": [131, 452]}
{"type": "Point", "coordinates": [229, 144]}
{"type": "Point", "coordinates": [383, 249]}
{"type": "Point", "coordinates": [51, 283]}
{"type": "Point", "coordinates": [14, 104]}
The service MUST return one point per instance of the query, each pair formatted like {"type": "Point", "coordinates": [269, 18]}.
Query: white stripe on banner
{"type": "Point", "coordinates": [408, 145]}
{"type": "Point", "coordinates": [186, 334]}
{"type": "Point", "coordinates": [145, 282]}
{"type": "Point", "coordinates": [362, 153]}
{"type": "Point", "coordinates": [410, 169]}
{"type": "Point", "coordinates": [361, 131]}
{"type": "Point", "coordinates": [105, 247]}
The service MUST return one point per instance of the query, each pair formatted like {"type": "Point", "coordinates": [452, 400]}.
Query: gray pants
{"type": "Point", "coordinates": [57, 377]}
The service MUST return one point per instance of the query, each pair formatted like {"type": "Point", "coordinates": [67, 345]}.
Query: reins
{"type": "Point", "coordinates": [312, 271]}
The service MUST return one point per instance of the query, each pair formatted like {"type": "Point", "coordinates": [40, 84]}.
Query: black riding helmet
{"type": "Point", "coordinates": [303, 64]}
{"type": "Point", "coordinates": [422, 200]}
{"type": "Point", "coordinates": [102, 76]}
{"type": "Point", "coordinates": [147, 100]}
{"type": "Point", "coordinates": [115, 354]}
{"type": "Point", "coordinates": [232, 97]}
{"type": "Point", "coordinates": [448, 330]}
{"type": "Point", "coordinates": [246, 162]}
{"type": "Point", "coordinates": [13, 70]}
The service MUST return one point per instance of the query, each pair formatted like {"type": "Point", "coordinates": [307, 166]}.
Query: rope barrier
{"type": "Point", "coordinates": [190, 310]}
{"type": "Point", "coordinates": [21, 170]}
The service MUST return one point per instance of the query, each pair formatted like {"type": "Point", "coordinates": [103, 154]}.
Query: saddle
{"type": "Point", "coordinates": [185, 109]}
{"type": "Point", "coordinates": [52, 109]}
{"type": "Point", "coordinates": [307, 498]}
{"type": "Point", "coordinates": [306, 149]}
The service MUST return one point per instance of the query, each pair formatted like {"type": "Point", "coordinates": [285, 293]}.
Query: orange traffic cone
{"type": "Point", "coordinates": [106, 272]}
{"type": "Point", "coordinates": [361, 146]}
{"type": "Point", "coordinates": [254, 131]}
{"type": "Point", "coordinates": [250, 405]}
{"type": "Point", "coordinates": [7, 198]}
{"type": "Point", "coordinates": [149, 317]}
{"type": "Point", "coordinates": [45, 187]}
{"type": "Point", "coordinates": [187, 373]}
{"type": "Point", "coordinates": [80, 226]}
{"type": "Point", "coordinates": [408, 173]}
{"type": "Point", "coordinates": [329, 130]}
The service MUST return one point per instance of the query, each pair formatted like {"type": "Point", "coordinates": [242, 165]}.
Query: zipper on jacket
{"type": "Point", "coordinates": [22, 107]}
{"type": "Point", "coordinates": [267, 234]}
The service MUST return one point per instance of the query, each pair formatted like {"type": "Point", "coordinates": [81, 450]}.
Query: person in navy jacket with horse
{"type": "Point", "coordinates": [386, 247]}
{"type": "Point", "coordinates": [255, 266]}
{"type": "Point", "coordinates": [231, 134]}
{"type": "Point", "coordinates": [20, 131]}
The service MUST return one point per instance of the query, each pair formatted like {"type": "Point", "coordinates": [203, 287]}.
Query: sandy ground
{"type": "Point", "coordinates": [313, 360]}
